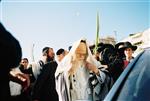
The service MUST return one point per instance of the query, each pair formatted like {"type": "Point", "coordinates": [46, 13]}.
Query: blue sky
{"type": "Point", "coordinates": [58, 24]}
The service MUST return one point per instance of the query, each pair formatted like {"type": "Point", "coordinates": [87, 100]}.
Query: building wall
{"type": "Point", "coordinates": [108, 40]}
{"type": "Point", "coordinates": [141, 40]}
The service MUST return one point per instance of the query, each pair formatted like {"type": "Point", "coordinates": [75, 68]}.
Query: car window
{"type": "Point", "coordinates": [136, 86]}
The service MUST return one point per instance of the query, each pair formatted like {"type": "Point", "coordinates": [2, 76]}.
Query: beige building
{"type": "Point", "coordinates": [108, 39]}
{"type": "Point", "coordinates": [141, 39]}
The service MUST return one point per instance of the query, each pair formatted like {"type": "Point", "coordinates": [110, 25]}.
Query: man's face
{"type": "Point", "coordinates": [24, 63]}
{"type": "Point", "coordinates": [81, 51]}
{"type": "Point", "coordinates": [128, 52]}
{"type": "Point", "coordinates": [61, 56]}
{"type": "Point", "coordinates": [51, 53]}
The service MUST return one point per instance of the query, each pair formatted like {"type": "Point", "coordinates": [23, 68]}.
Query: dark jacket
{"type": "Point", "coordinates": [28, 71]}
{"type": "Point", "coordinates": [10, 56]}
{"type": "Point", "coordinates": [113, 61]}
{"type": "Point", "coordinates": [44, 88]}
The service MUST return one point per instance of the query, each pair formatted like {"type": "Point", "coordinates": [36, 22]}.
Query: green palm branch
{"type": "Point", "coordinates": [97, 33]}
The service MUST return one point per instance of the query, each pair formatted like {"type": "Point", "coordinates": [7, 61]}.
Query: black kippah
{"type": "Point", "coordinates": [45, 50]}
{"type": "Point", "coordinates": [60, 51]}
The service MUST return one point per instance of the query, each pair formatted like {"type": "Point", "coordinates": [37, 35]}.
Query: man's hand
{"type": "Point", "coordinates": [92, 68]}
{"type": "Point", "coordinates": [20, 78]}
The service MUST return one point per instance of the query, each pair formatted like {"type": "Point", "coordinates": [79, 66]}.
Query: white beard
{"type": "Point", "coordinates": [81, 63]}
{"type": "Point", "coordinates": [79, 81]}
{"type": "Point", "coordinates": [76, 65]}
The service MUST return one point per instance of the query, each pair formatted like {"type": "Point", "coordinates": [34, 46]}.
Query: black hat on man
{"type": "Point", "coordinates": [60, 51]}
{"type": "Point", "coordinates": [129, 45]}
{"type": "Point", "coordinates": [45, 50]}
{"type": "Point", "coordinates": [119, 46]}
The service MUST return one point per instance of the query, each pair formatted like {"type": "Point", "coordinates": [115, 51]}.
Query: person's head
{"type": "Point", "coordinates": [10, 47]}
{"type": "Point", "coordinates": [106, 54]}
{"type": "Point", "coordinates": [128, 52]}
{"type": "Point", "coordinates": [45, 51]}
{"type": "Point", "coordinates": [49, 53]}
{"type": "Point", "coordinates": [79, 56]}
{"type": "Point", "coordinates": [120, 50]}
{"type": "Point", "coordinates": [100, 47]}
{"type": "Point", "coordinates": [81, 51]}
{"type": "Point", "coordinates": [69, 48]}
{"type": "Point", "coordinates": [24, 62]}
{"type": "Point", "coordinates": [92, 48]}
{"type": "Point", "coordinates": [119, 46]}
{"type": "Point", "coordinates": [61, 53]}
{"type": "Point", "coordinates": [129, 49]}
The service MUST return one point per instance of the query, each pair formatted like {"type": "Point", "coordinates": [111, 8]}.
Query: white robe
{"type": "Point", "coordinates": [67, 89]}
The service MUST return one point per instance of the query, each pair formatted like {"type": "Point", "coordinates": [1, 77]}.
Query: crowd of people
{"type": "Point", "coordinates": [82, 72]}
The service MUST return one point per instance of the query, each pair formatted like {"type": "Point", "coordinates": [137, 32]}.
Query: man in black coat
{"type": "Point", "coordinates": [110, 58]}
{"type": "Point", "coordinates": [44, 88]}
{"type": "Point", "coordinates": [10, 56]}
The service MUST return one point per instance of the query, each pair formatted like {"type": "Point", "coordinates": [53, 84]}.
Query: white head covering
{"type": "Point", "coordinates": [65, 64]}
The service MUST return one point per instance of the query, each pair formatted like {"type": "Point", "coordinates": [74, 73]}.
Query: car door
{"type": "Point", "coordinates": [133, 84]}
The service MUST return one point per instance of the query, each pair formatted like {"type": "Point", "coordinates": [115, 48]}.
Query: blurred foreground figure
{"type": "Point", "coordinates": [74, 72]}
{"type": "Point", "coordinates": [10, 56]}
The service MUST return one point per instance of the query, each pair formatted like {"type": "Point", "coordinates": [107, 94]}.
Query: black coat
{"type": "Point", "coordinates": [44, 88]}
{"type": "Point", "coordinates": [10, 56]}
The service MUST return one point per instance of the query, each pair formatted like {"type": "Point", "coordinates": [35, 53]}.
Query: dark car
{"type": "Point", "coordinates": [134, 83]}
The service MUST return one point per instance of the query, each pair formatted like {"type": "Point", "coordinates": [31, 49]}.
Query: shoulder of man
{"type": "Point", "coordinates": [41, 63]}
{"type": "Point", "coordinates": [103, 69]}
{"type": "Point", "coordinates": [50, 66]}
{"type": "Point", "coordinates": [109, 79]}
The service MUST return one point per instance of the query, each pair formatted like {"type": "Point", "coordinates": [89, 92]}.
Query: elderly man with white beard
{"type": "Point", "coordinates": [73, 74]}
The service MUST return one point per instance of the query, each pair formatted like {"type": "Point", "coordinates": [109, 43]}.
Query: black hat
{"type": "Point", "coordinates": [119, 46]}
{"type": "Point", "coordinates": [69, 48]}
{"type": "Point", "coordinates": [110, 46]}
{"type": "Point", "coordinates": [45, 50]}
{"type": "Point", "coordinates": [92, 46]}
{"type": "Point", "coordinates": [107, 54]}
{"type": "Point", "coordinates": [129, 45]}
{"type": "Point", "coordinates": [100, 47]}
{"type": "Point", "coordinates": [60, 51]}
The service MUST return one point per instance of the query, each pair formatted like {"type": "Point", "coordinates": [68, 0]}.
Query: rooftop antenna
{"type": "Point", "coordinates": [115, 32]}
{"type": "Point", "coordinates": [32, 53]}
